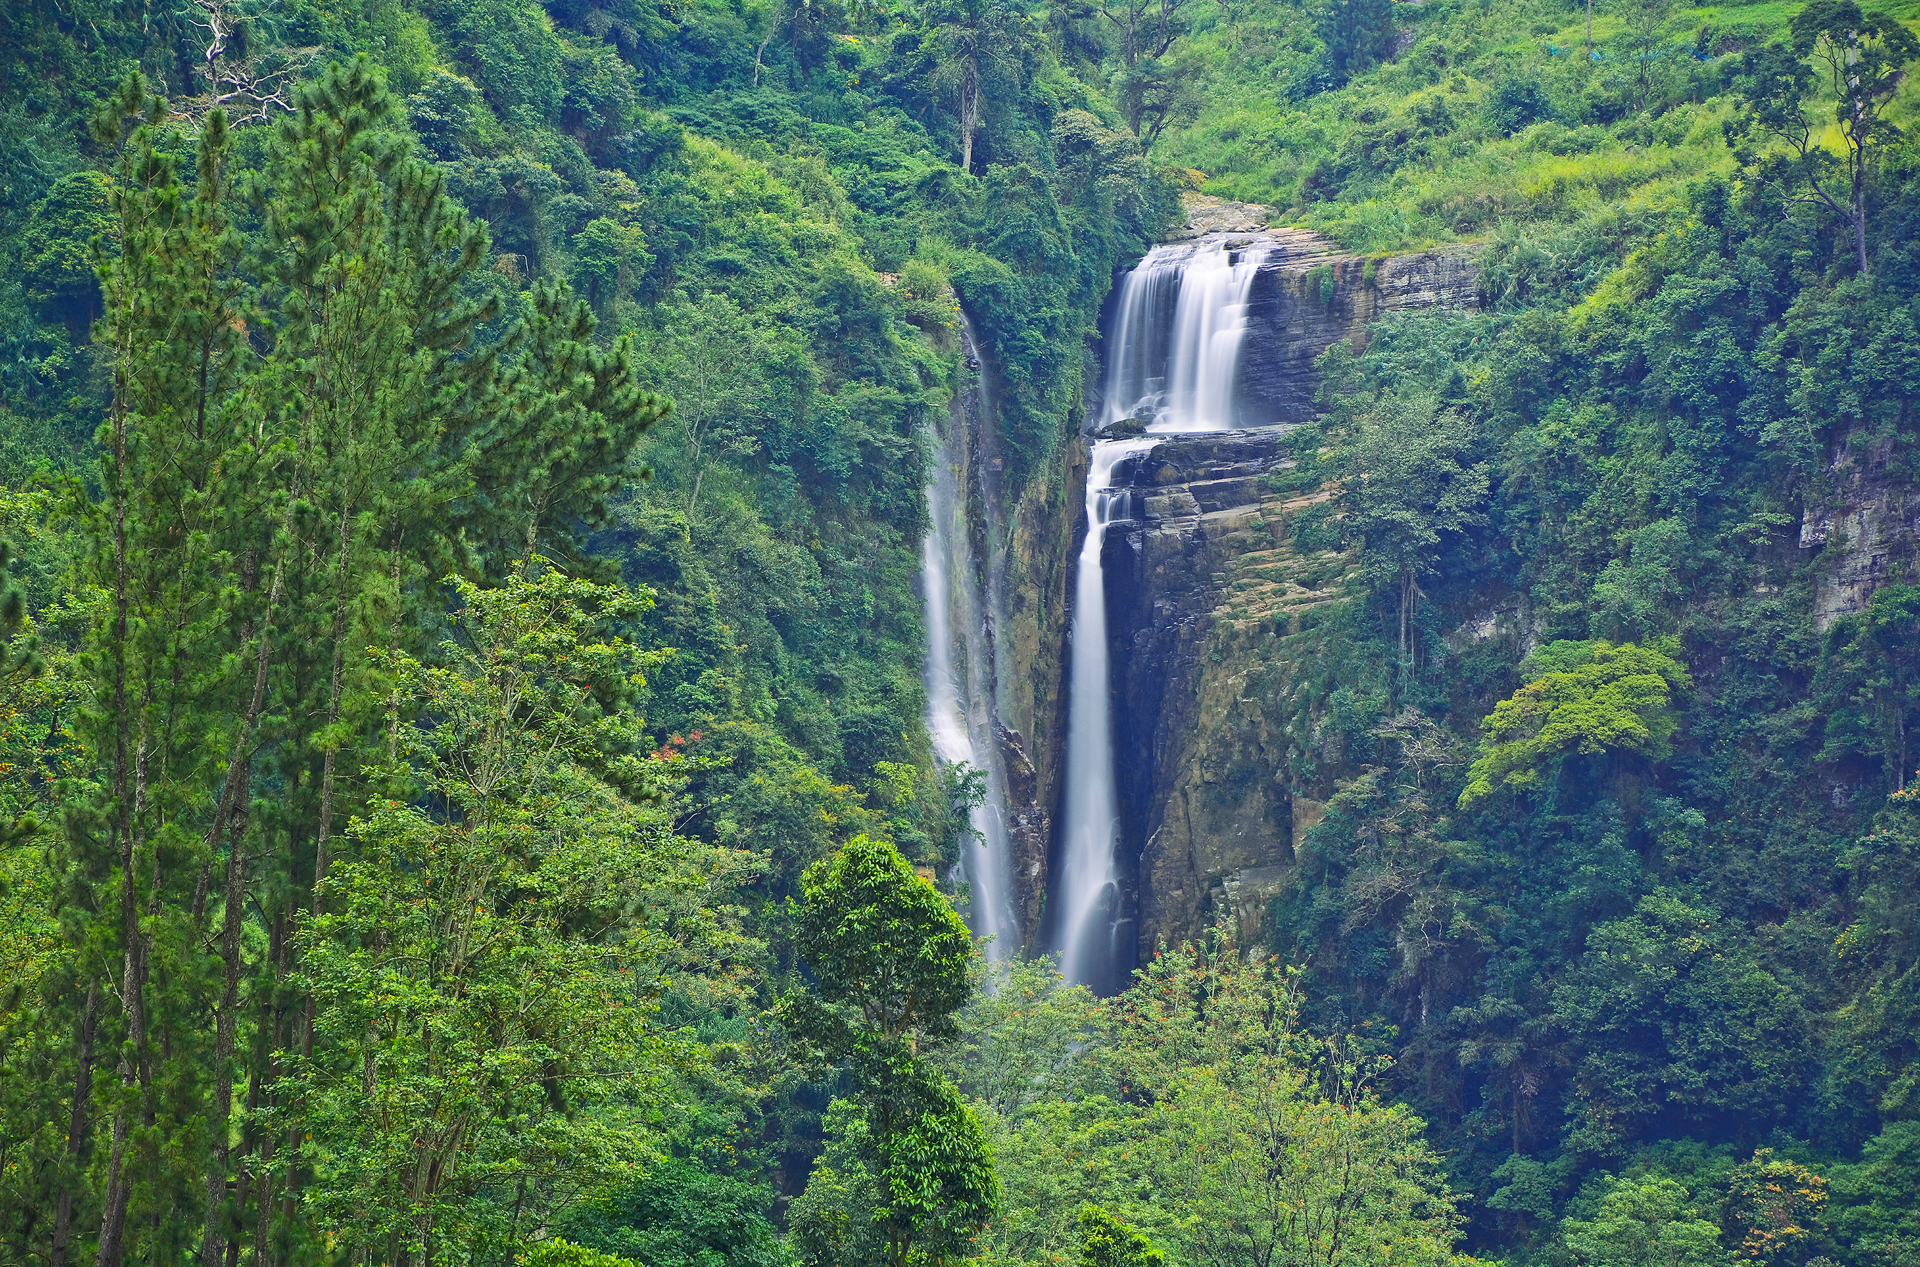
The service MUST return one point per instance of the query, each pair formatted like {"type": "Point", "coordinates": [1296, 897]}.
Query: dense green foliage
{"type": "Point", "coordinates": [1594, 697]}
{"type": "Point", "coordinates": [1110, 1243]}
{"type": "Point", "coordinates": [463, 792]}
{"type": "Point", "coordinates": [322, 305]}
{"type": "Point", "coordinates": [1609, 811]}
{"type": "Point", "coordinates": [1197, 1109]}
{"type": "Point", "coordinates": [469, 922]}
{"type": "Point", "coordinates": [889, 957]}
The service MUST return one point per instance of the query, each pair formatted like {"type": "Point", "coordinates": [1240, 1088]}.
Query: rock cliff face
{"type": "Point", "coordinates": [1032, 559]}
{"type": "Point", "coordinates": [1868, 531]}
{"type": "Point", "coordinates": [1022, 545]}
{"type": "Point", "coordinates": [1204, 595]}
{"type": "Point", "coordinates": [1215, 618]}
{"type": "Point", "coordinates": [1306, 296]}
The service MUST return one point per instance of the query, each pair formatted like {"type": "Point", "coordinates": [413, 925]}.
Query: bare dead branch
{"type": "Point", "coordinates": [250, 87]}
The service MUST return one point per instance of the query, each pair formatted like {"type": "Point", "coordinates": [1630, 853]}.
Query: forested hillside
{"type": "Point", "coordinates": [1612, 722]}
{"type": "Point", "coordinates": [467, 795]}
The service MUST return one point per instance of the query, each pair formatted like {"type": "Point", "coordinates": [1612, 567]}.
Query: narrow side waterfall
{"type": "Point", "coordinates": [960, 675]}
{"type": "Point", "coordinates": [1173, 358]}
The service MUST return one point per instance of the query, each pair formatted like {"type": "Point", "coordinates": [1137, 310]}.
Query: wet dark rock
{"type": "Point", "coordinates": [1203, 821]}
{"type": "Point", "coordinates": [1307, 296]}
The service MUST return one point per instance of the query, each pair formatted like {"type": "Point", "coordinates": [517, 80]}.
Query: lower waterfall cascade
{"type": "Point", "coordinates": [1092, 912]}
{"type": "Point", "coordinates": [1173, 355]}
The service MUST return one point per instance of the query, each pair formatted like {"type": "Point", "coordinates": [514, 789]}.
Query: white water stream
{"type": "Point", "coordinates": [1174, 370]}
{"type": "Point", "coordinates": [960, 678]}
{"type": "Point", "coordinates": [1093, 913]}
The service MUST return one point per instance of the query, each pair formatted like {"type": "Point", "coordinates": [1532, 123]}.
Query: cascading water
{"type": "Point", "coordinates": [1174, 355]}
{"type": "Point", "coordinates": [1093, 913]}
{"type": "Point", "coordinates": [960, 677]}
{"type": "Point", "coordinates": [1176, 370]}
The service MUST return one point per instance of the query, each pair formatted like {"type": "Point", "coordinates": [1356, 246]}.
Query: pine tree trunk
{"type": "Point", "coordinates": [113, 1218]}
{"type": "Point", "coordinates": [309, 1011]}
{"type": "Point", "coordinates": [226, 1023]}
{"type": "Point", "coordinates": [79, 1129]}
{"type": "Point", "coordinates": [113, 1221]}
{"type": "Point", "coordinates": [267, 1072]}
{"type": "Point", "coordinates": [325, 833]}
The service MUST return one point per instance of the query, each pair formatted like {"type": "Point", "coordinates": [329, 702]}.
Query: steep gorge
{"type": "Point", "coordinates": [1203, 590]}
{"type": "Point", "coordinates": [1215, 615]}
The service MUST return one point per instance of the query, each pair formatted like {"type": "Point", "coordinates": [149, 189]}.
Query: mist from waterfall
{"type": "Point", "coordinates": [1173, 357]}
{"type": "Point", "coordinates": [960, 677]}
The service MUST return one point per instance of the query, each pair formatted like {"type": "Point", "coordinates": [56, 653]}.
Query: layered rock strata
{"type": "Point", "coordinates": [1203, 588]}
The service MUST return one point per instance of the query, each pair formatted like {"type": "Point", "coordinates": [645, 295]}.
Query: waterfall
{"type": "Point", "coordinates": [960, 673]}
{"type": "Point", "coordinates": [1092, 913]}
{"type": "Point", "coordinates": [1176, 370]}
{"type": "Point", "coordinates": [1173, 356]}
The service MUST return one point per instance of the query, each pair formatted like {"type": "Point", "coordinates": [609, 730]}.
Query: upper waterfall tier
{"type": "Point", "coordinates": [1174, 353]}
{"type": "Point", "coordinates": [1224, 330]}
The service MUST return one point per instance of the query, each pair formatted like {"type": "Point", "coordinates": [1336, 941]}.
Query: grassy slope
{"type": "Point", "coordinates": [1423, 162]}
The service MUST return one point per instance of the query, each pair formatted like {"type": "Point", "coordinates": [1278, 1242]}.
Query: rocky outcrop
{"type": "Point", "coordinates": [1207, 214]}
{"type": "Point", "coordinates": [1024, 540]}
{"type": "Point", "coordinates": [1867, 530]}
{"type": "Point", "coordinates": [1205, 597]}
{"type": "Point", "coordinates": [1309, 294]}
